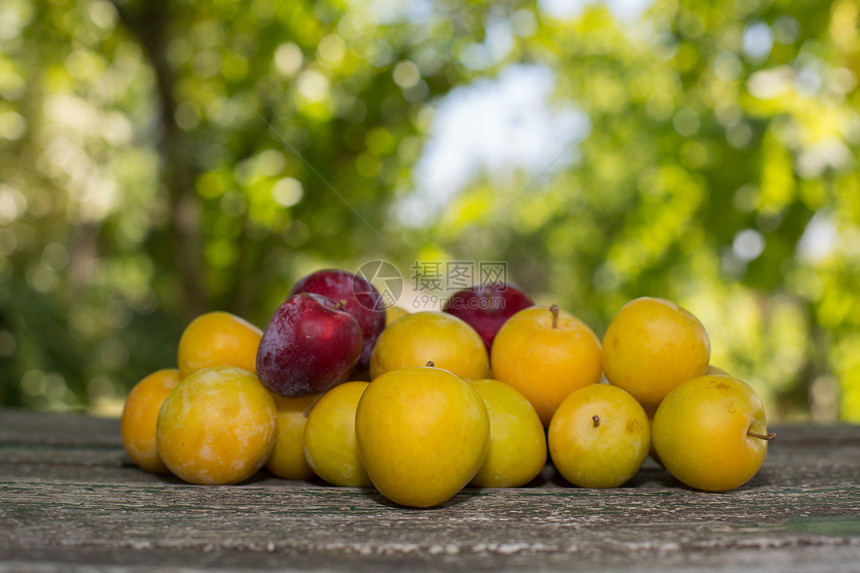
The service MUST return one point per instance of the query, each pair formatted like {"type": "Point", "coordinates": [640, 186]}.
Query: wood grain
{"type": "Point", "coordinates": [71, 500]}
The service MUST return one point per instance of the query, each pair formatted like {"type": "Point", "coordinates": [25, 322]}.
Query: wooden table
{"type": "Point", "coordinates": [70, 499]}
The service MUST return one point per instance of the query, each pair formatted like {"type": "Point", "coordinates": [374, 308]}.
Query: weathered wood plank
{"type": "Point", "coordinates": [572, 529]}
{"type": "Point", "coordinates": [24, 427]}
{"type": "Point", "coordinates": [70, 499]}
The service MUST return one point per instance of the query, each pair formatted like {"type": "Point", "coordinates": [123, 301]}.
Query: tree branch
{"type": "Point", "coordinates": [149, 23]}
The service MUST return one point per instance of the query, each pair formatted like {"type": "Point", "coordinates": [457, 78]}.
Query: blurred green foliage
{"type": "Point", "coordinates": [162, 158]}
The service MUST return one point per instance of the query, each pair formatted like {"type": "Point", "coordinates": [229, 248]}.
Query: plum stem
{"type": "Point", "coordinates": [554, 310]}
{"type": "Point", "coordinates": [596, 419]}
{"type": "Point", "coordinates": [340, 305]}
{"type": "Point", "coordinates": [767, 437]}
{"type": "Point", "coordinates": [430, 364]}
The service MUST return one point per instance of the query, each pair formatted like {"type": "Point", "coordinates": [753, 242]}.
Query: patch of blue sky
{"type": "Point", "coordinates": [493, 127]}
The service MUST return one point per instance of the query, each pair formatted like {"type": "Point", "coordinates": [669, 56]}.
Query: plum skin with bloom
{"type": "Point", "coordinates": [360, 299]}
{"type": "Point", "coordinates": [487, 307]}
{"type": "Point", "coordinates": [309, 346]}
